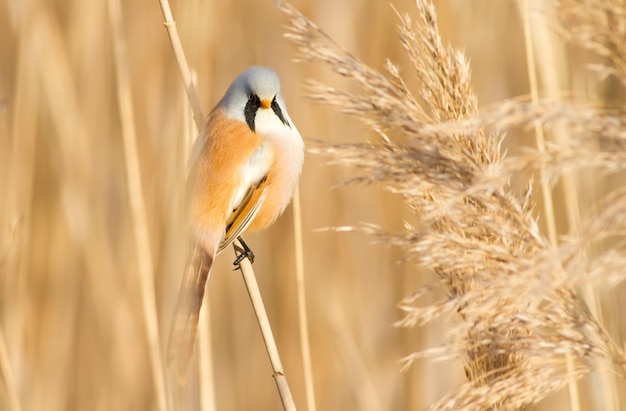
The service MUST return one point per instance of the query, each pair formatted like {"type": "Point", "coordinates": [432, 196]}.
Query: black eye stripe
{"type": "Point", "coordinates": [279, 112]}
{"type": "Point", "coordinates": [254, 103]}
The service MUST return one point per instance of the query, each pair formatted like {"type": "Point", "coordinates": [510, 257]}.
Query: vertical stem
{"type": "Point", "coordinates": [548, 204]}
{"type": "Point", "coordinates": [7, 376]}
{"type": "Point", "coordinates": [207, 389]}
{"type": "Point", "coordinates": [206, 377]}
{"type": "Point", "coordinates": [137, 204]}
{"type": "Point", "coordinates": [301, 296]}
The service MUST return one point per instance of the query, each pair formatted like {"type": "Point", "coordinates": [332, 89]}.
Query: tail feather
{"type": "Point", "coordinates": [187, 312]}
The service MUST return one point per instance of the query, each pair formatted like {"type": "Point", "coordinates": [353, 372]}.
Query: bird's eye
{"type": "Point", "coordinates": [251, 97]}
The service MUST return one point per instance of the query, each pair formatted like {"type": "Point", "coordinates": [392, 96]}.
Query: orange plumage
{"type": "Point", "coordinates": [244, 170]}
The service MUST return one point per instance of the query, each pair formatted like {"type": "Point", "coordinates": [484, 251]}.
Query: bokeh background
{"type": "Point", "coordinates": [73, 335]}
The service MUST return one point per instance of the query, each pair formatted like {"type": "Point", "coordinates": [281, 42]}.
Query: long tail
{"type": "Point", "coordinates": [187, 313]}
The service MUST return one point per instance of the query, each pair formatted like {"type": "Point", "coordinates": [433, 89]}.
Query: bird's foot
{"type": "Point", "coordinates": [243, 252]}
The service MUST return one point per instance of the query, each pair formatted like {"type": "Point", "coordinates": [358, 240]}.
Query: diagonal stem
{"type": "Point", "coordinates": [185, 72]}
{"type": "Point", "coordinates": [266, 330]}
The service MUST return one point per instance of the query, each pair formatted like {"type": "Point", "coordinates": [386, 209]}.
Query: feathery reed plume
{"type": "Point", "coordinates": [599, 27]}
{"type": "Point", "coordinates": [511, 290]}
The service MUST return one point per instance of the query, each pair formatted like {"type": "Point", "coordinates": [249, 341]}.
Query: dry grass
{"type": "Point", "coordinates": [512, 291]}
{"type": "Point", "coordinates": [443, 168]}
{"type": "Point", "coordinates": [599, 27]}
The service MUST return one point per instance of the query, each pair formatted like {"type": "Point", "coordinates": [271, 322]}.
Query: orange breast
{"type": "Point", "coordinates": [216, 171]}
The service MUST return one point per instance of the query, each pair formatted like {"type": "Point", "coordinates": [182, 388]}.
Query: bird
{"type": "Point", "coordinates": [244, 168]}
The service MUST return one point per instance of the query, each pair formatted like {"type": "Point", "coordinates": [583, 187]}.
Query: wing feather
{"type": "Point", "coordinates": [209, 200]}
{"type": "Point", "coordinates": [243, 215]}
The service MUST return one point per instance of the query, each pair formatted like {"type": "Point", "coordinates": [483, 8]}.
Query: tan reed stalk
{"type": "Point", "coordinates": [205, 367]}
{"type": "Point", "coordinates": [205, 351]}
{"type": "Point", "coordinates": [551, 60]}
{"type": "Point", "coordinates": [7, 376]}
{"type": "Point", "coordinates": [245, 265]}
{"type": "Point", "coordinates": [137, 204]}
{"type": "Point", "coordinates": [6, 372]}
{"type": "Point", "coordinates": [548, 203]}
{"type": "Point", "coordinates": [19, 181]}
{"type": "Point", "coordinates": [183, 67]}
{"type": "Point", "coordinates": [266, 330]}
{"type": "Point", "coordinates": [301, 296]}
{"type": "Point", "coordinates": [606, 38]}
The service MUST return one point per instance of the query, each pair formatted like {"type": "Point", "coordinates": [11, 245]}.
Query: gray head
{"type": "Point", "coordinates": [257, 88]}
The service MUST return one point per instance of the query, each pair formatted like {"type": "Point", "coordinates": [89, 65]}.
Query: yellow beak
{"type": "Point", "coordinates": [266, 103]}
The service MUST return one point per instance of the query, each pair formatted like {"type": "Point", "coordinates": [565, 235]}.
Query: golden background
{"type": "Point", "coordinates": [70, 308]}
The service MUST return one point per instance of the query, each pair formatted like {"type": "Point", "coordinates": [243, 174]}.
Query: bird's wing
{"type": "Point", "coordinates": [187, 312]}
{"type": "Point", "coordinates": [244, 213]}
{"type": "Point", "coordinates": [214, 166]}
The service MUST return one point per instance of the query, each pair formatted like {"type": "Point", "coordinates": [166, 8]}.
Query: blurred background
{"type": "Point", "coordinates": [73, 335]}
